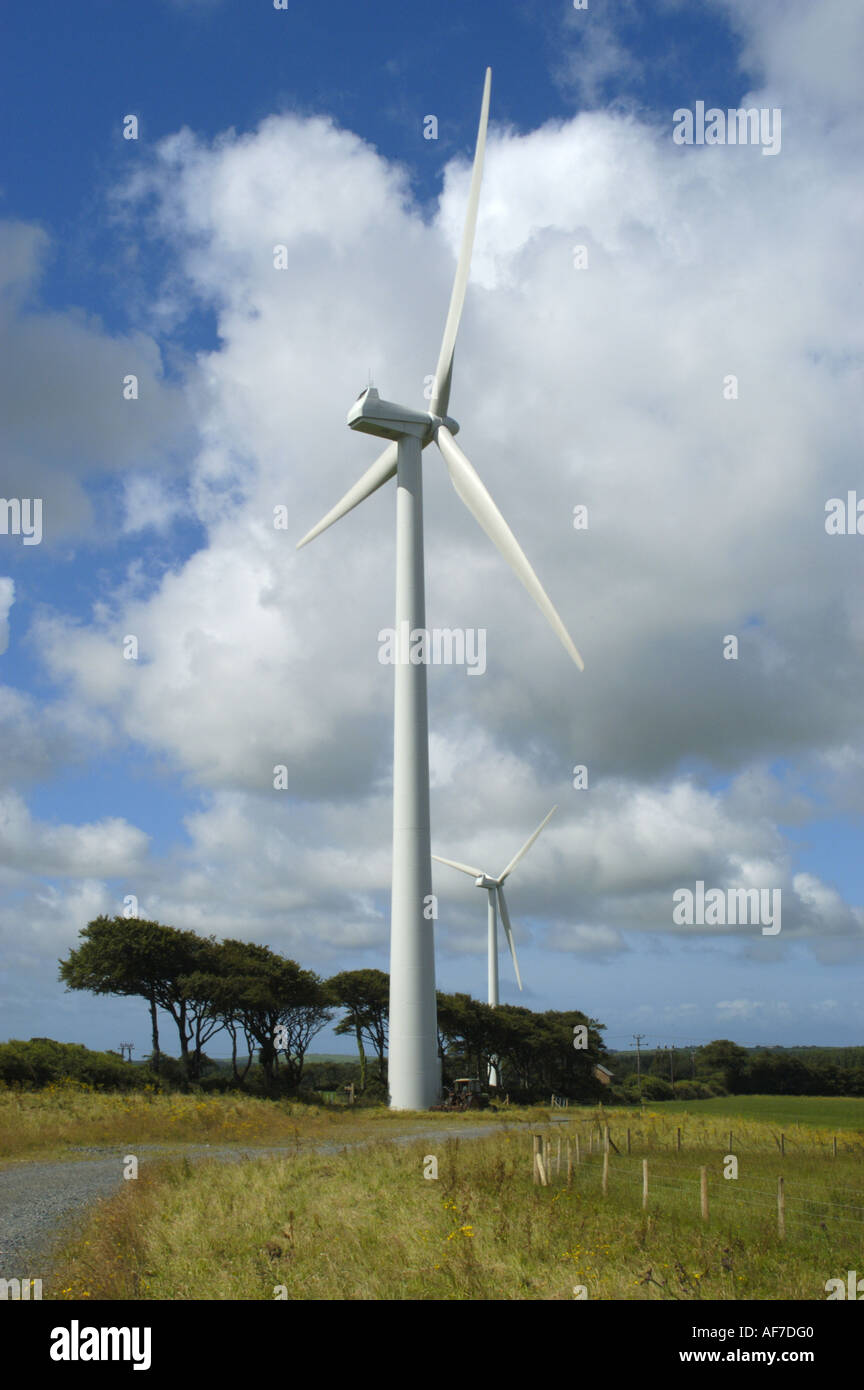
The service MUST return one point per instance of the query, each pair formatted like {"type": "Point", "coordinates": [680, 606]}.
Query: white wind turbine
{"type": "Point", "coordinates": [414, 1068]}
{"type": "Point", "coordinates": [495, 889]}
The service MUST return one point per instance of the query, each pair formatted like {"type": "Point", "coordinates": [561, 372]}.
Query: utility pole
{"type": "Point", "coordinates": [638, 1038]}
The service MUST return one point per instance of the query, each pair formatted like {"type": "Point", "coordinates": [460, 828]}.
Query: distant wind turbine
{"type": "Point", "coordinates": [414, 1067]}
{"type": "Point", "coordinates": [495, 889]}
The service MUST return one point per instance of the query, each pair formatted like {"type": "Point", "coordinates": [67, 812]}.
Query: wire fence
{"type": "Point", "coordinates": [704, 1135]}
{"type": "Point", "coordinates": [610, 1169]}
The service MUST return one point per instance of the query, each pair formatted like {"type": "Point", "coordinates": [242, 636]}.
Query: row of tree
{"type": "Point", "coordinates": [267, 1004]}
{"type": "Point", "coordinates": [271, 1008]}
{"type": "Point", "coordinates": [724, 1067]}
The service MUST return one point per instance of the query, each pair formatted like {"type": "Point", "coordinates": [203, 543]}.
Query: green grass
{"type": "Point", "coordinates": [365, 1224]}
{"type": "Point", "coordinates": [361, 1222]}
{"type": "Point", "coordinates": [823, 1112]}
{"type": "Point", "coordinates": [62, 1118]}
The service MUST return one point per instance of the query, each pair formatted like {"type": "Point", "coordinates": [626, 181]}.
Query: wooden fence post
{"type": "Point", "coordinates": [781, 1209]}
{"type": "Point", "coordinates": [644, 1183]}
{"type": "Point", "coordinates": [578, 1154]}
{"type": "Point", "coordinates": [678, 1140]}
{"type": "Point", "coordinates": [628, 1141]}
{"type": "Point", "coordinates": [569, 1165]}
{"type": "Point", "coordinates": [606, 1139]}
{"type": "Point", "coordinates": [536, 1138]}
{"type": "Point", "coordinates": [605, 1171]}
{"type": "Point", "coordinates": [703, 1185]}
{"type": "Point", "coordinates": [782, 1145]}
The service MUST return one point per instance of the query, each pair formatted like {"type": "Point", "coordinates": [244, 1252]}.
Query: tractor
{"type": "Point", "coordinates": [466, 1093]}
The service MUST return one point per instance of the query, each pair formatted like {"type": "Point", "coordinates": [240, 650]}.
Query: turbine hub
{"type": "Point", "coordinates": [437, 420]}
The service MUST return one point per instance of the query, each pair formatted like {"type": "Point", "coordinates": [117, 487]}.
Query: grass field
{"type": "Point", "coordinates": [61, 1118]}
{"type": "Point", "coordinates": [366, 1224]}
{"type": "Point", "coordinates": [825, 1112]}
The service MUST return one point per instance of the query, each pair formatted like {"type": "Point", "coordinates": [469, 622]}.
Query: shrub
{"type": "Point", "coordinates": [41, 1062]}
{"type": "Point", "coordinates": [655, 1088]}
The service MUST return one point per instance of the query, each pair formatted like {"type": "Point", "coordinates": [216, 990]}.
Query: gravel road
{"type": "Point", "coordinates": [39, 1200]}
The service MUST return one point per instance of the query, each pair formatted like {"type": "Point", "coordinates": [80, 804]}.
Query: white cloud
{"type": "Point", "coordinates": [810, 54]}
{"type": "Point", "coordinates": [601, 386]}
{"type": "Point", "coordinates": [148, 504]}
{"type": "Point", "coordinates": [586, 940]}
{"type": "Point", "coordinates": [104, 848]}
{"type": "Point", "coordinates": [63, 417]}
{"type": "Point", "coordinates": [594, 61]}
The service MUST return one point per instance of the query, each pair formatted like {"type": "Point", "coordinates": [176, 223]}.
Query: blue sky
{"type": "Point", "coordinates": [153, 256]}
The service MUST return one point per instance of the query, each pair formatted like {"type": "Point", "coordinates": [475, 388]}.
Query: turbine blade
{"type": "Point", "coordinates": [441, 391]}
{"type": "Point", "coordinates": [381, 471]}
{"type": "Point", "coordinates": [472, 492]}
{"type": "Point", "coordinates": [466, 868]}
{"type": "Point", "coordinates": [525, 848]}
{"type": "Point", "coordinates": [508, 931]}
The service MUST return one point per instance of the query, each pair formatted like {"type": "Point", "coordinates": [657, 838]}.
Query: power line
{"type": "Point", "coordinates": [638, 1037]}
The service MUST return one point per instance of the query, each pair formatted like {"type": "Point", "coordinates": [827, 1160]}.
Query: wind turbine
{"type": "Point", "coordinates": [495, 889]}
{"type": "Point", "coordinates": [414, 1068]}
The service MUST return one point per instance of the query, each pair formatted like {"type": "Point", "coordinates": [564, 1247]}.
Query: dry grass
{"type": "Point", "coordinates": [48, 1122]}
{"type": "Point", "coordinates": [365, 1224]}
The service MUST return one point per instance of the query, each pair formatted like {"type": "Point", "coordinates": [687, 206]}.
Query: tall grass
{"type": "Point", "coordinates": [825, 1112]}
{"type": "Point", "coordinates": [366, 1224]}
{"type": "Point", "coordinates": [71, 1115]}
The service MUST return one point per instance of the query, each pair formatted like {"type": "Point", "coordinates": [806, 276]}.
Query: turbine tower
{"type": "Point", "coordinates": [414, 1069]}
{"type": "Point", "coordinates": [495, 889]}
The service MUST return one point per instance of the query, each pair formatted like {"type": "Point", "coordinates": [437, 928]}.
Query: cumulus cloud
{"type": "Point", "coordinates": [63, 417]}
{"type": "Point", "coordinates": [811, 56]}
{"type": "Point", "coordinates": [596, 61]}
{"type": "Point", "coordinates": [602, 386]}
{"type": "Point", "coordinates": [105, 848]}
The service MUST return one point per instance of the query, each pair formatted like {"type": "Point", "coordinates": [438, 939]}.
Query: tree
{"type": "Point", "coordinates": [278, 1006]}
{"type": "Point", "coordinates": [366, 996]}
{"type": "Point", "coordinates": [131, 956]}
{"type": "Point", "coordinates": [725, 1059]}
{"type": "Point", "coordinates": [570, 1070]}
{"type": "Point", "coordinates": [120, 956]}
{"type": "Point", "coordinates": [515, 1042]}
{"type": "Point", "coordinates": [467, 1028]}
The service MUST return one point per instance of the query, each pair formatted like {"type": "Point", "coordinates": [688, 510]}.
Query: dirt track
{"type": "Point", "coordinates": [40, 1200]}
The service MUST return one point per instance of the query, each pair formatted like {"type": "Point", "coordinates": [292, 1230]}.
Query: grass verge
{"type": "Point", "coordinates": [366, 1224]}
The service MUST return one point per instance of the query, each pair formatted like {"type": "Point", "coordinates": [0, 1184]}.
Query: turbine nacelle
{"type": "Point", "coordinates": [371, 415]}
{"type": "Point", "coordinates": [484, 881]}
